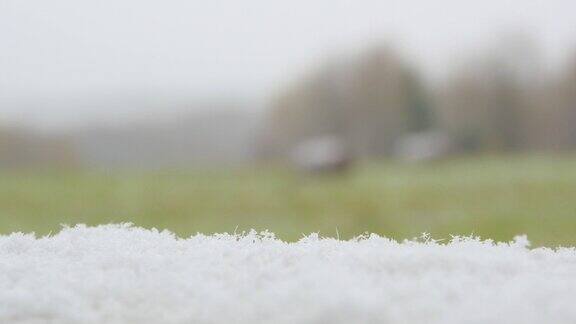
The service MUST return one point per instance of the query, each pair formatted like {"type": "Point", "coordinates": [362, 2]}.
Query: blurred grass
{"type": "Point", "coordinates": [491, 197]}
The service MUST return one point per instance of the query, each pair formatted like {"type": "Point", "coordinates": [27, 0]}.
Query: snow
{"type": "Point", "coordinates": [125, 274]}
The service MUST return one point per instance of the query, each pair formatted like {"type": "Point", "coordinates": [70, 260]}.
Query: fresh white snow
{"type": "Point", "coordinates": [125, 274]}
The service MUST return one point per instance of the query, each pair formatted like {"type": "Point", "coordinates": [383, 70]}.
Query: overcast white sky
{"type": "Point", "coordinates": [63, 48]}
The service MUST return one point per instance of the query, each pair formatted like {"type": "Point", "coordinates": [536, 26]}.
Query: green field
{"type": "Point", "coordinates": [490, 197]}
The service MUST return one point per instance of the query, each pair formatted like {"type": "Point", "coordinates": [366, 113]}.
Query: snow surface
{"type": "Point", "coordinates": [125, 274]}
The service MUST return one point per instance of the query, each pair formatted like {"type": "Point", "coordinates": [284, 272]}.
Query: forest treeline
{"type": "Point", "coordinates": [375, 103]}
{"type": "Point", "coordinates": [499, 100]}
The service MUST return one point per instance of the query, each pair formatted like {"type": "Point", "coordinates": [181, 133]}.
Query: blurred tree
{"type": "Point", "coordinates": [568, 89]}
{"type": "Point", "coordinates": [379, 113]}
{"type": "Point", "coordinates": [313, 107]}
{"type": "Point", "coordinates": [500, 100]}
{"type": "Point", "coordinates": [557, 116]}
{"type": "Point", "coordinates": [487, 102]}
{"type": "Point", "coordinates": [368, 103]}
{"type": "Point", "coordinates": [420, 110]}
{"type": "Point", "coordinates": [22, 149]}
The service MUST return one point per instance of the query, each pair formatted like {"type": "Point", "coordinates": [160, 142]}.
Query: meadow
{"type": "Point", "coordinates": [490, 197]}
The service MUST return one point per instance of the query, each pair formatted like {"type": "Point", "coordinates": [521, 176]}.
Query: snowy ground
{"type": "Point", "coordinates": [122, 274]}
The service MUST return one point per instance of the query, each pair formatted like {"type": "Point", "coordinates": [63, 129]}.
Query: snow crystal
{"type": "Point", "coordinates": [125, 274]}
